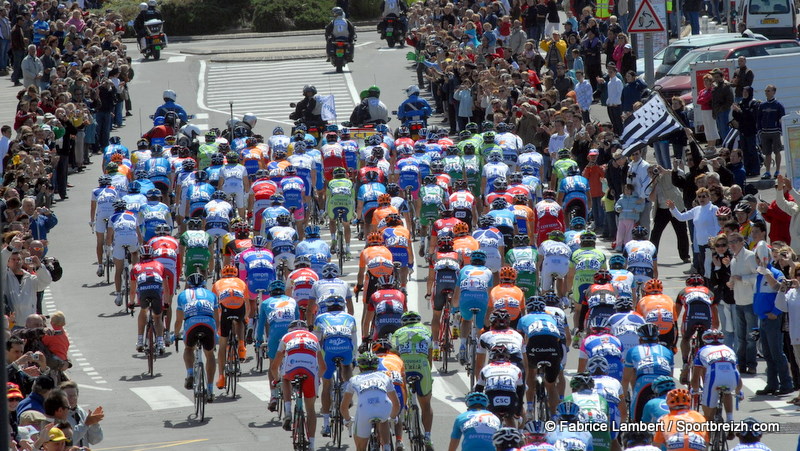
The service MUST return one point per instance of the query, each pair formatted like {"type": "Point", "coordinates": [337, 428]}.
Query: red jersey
{"type": "Point", "coordinates": [499, 195]}
{"type": "Point", "coordinates": [263, 189]}
{"type": "Point", "coordinates": [390, 295]}
{"type": "Point", "coordinates": [519, 189]}
{"type": "Point", "coordinates": [332, 157]}
{"type": "Point", "coordinates": [444, 224]}
{"type": "Point", "coordinates": [145, 269]}
{"type": "Point", "coordinates": [165, 250]}
{"type": "Point", "coordinates": [401, 141]}
{"type": "Point", "coordinates": [236, 246]}
{"type": "Point", "coordinates": [362, 174]}
{"type": "Point", "coordinates": [302, 282]}
{"type": "Point", "coordinates": [300, 342]}
{"type": "Point", "coordinates": [445, 181]}
{"type": "Point", "coordinates": [389, 306]}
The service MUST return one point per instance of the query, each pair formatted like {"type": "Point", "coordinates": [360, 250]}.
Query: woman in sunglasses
{"type": "Point", "coordinates": [704, 224]}
{"type": "Point", "coordinates": [720, 275]}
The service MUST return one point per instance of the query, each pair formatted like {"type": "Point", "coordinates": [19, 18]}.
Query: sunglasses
{"type": "Point", "coordinates": [723, 218]}
{"type": "Point", "coordinates": [702, 196]}
{"type": "Point", "coordinates": [720, 244]}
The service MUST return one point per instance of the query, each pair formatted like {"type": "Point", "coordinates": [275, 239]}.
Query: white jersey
{"type": "Point", "coordinates": [622, 281]}
{"type": "Point", "coordinates": [234, 175]}
{"type": "Point", "coordinates": [647, 448]}
{"type": "Point", "coordinates": [508, 139]}
{"type": "Point", "coordinates": [512, 339]}
{"type": "Point", "coordinates": [104, 198]}
{"type": "Point", "coordinates": [500, 376]}
{"type": "Point", "coordinates": [640, 253]}
{"type": "Point", "coordinates": [609, 388]}
{"type": "Point", "coordinates": [751, 447]}
{"type": "Point", "coordinates": [552, 248]}
{"type": "Point", "coordinates": [278, 142]}
{"type": "Point", "coordinates": [370, 387]}
{"type": "Point", "coordinates": [534, 159]}
{"type": "Point", "coordinates": [218, 211]}
{"type": "Point", "coordinates": [720, 364]}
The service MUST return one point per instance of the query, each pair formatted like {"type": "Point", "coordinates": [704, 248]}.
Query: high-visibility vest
{"type": "Point", "coordinates": [669, 6]}
{"type": "Point", "coordinates": [603, 10]}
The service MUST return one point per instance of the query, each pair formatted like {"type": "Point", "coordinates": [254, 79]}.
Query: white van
{"type": "Point", "coordinates": [775, 19]}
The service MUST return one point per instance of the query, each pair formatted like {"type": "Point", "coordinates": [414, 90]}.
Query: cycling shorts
{"type": "Point", "coordinates": [197, 212]}
{"type": "Point", "coordinates": [118, 252]}
{"type": "Point", "coordinates": [162, 186]}
{"type": "Point", "coordinates": [207, 340]}
{"type": "Point", "coordinates": [642, 392]}
{"type": "Point", "coordinates": [476, 300]}
{"type": "Point", "coordinates": [370, 406]}
{"type": "Point", "coordinates": [344, 212]}
{"type": "Point", "coordinates": [502, 402]}
{"type": "Point", "coordinates": [308, 387]}
{"type": "Point", "coordinates": [545, 348]}
{"type": "Point", "coordinates": [445, 280]}
{"type": "Point", "coordinates": [426, 218]}
{"type": "Point", "coordinates": [150, 294]}
{"type": "Point", "coordinates": [345, 354]}
{"type": "Point", "coordinates": [240, 198]}
{"type": "Point", "coordinates": [641, 274]}
{"type": "Point", "coordinates": [719, 375]}
{"type": "Point", "coordinates": [189, 268]}
{"type": "Point", "coordinates": [689, 326]}
{"type": "Point", "coordinates": [493, 261]}
{"type": "Point", "coordinates": [418, 366]}
{"type": "Point", "coordinates": [368, 215]}
{"type": "Point", "coordinates": [668, 339]}
{"type": "Point", "coordinates": [299, 213]}
{"type": "Point", "coordinates": [217, 229]}
{"type": "Point", "coordinates": [553, 265]}
{"type": "Point", "coordinates": [100, 224]}
{"type": "Point", "coordinates": [225, 323]}
{"type": "Point", "coordinates": [465, 216]}
{"type": "Point", "coordinates": [400, 255]}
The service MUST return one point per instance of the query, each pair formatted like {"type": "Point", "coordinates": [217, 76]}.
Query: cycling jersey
{"type": "Point", "coordinates": [199, 306]}
{"type": "Point", "coordinates": [474, 283]}
{"type": "Point", "coordinates": [397, 240]}
{"type": "Point", "coordinates": [340, 199]}
{"type": "Point", "coordinates": [197, 196]}
{"type": "Point", "coordinates": [165, 250]}
{"type": "Point", "coordinates": [377, 260]}
{"type": "Point", "coordinates": [599, 305]}
{"type": "Point", "coordinates": [524, 218]}
{"type": "Point", "coordinates": [445, 268]}
{"type": "Point", "coordinates": [325, 288]}
{"type": "Point", "coordinates": [574, 184]}
{"type": "Point", "coordinates": [670, 436]}
{"type": "Point", "coordinates": [503, 383]}
{"type": "Point", "coordinates": [534, 159]}
{"type": "Point", "coordinates": [149, 278]}
{"type": "Point", "coordinates": [301, 283]}
{"type": "Point", "coordinates": [524, 260]}
{"type": "Point", "coordinates": [372, 400]}
{"type": "Point", "coordinates": [649, 360]}
{"type": "Point", "coordinates": [282, 239]}
{"type": "Point", "coordinates": [278, 142]}
{"type": "Point", "coordinates": [293, 189]}
{"type": "Point", "coordinates": [721, 371]}
{"type": "Point", "coordinates": [492, 171]}
{"type": "Point", "coordinates": [270, 215]}
{"type": "Point", "coordinates": [696, 303]}
{"type": "Point", "coordinates": [462, 204]}
{"type": "Point", "coordinates": [544, 336]}
{"type": "Point", "coordinates": [758, 446]}
{"type": "Point", "coordinates": [490, 241]}
{"type": "Point", "coordinates": [368, 194]}
{"type": "Point", "coordinates": [230, 292]}
{"type": "Point", "coordinates": [134, 202]}
{"type": "Point", "coordinates": [104, 208]}
{"type": "Point", "coordinates": [317, 251]}
{"type": "Point", "coordinates": [218, 216]}
{"type": "Point", "coordinates": [433, 199]}
{"type": "Point", "coordinates": [594, 409]}
{"type": "Point", "coordinates": [622, 279]}
{"type": "Point", "coordinates": [204, 153]}
{"type": "Point", "coordinates": [125, 227]}
{"type": "Point", "coordinates": [196, 243]}
{"type": "Point", "coordinates": [454, 166]}
{"type": "Point", "coordinates": [655, 409]}
{"type": "Point", "coordinates": [301, 348]}
{"type": "Point", "coordinates": [337, 333]}
{"type": "Point", "coordinates": [463, 246]}
{"type": "Point", "coordinates": [564, 439]}
{"type": "Point", "coordinates": [262, 191]}
{"type": "Point", "coordinates": [380, 214]}
{"type": "Point", "coordinates": [408, 173]}
{"type": "Point", "coordinates": [253, 159]}
{"type": "Point", "coordinates": [213, 175]}
{"type": "Point", "coordinates": [641, 256]}
{"type": "Point", "coordinates": [413, 344]}
{"type": "Point", "coordinates": [257, 264]}
{"type": "Point", "coordinates": [388, 306]}
{"type": "Point", "coordinates": [586, 262]}
{"type": "Point", "coordinates": [332, 157]}
{"type": "Point", "coordinates": [393, 366]}
{"type": "Point", "coordinates": [512, 339]}
{"type": "Point", "coordinates": [625, 327]}
{"type": "Point", "coordinates": [605, 345]}
{"type": "Point", "coordinates": [562, 167]}
{"type": "Point", "coordinates": [504, 222]}
{"type": "Point", "coordinates": [151, 215]}
{"type": "Point", "coordinates": [544, 446]}
{"type": "Point", "coordinates": [159, 171]}
{"type": "Point", "coordinates": [611, 390]}
{"type": "Point", "coordinates": [549, 217]}
{"type": "Point", "coordinates": [477, 428]}
{"type": "Point", "coordinates": [658, 309]}
{"type": "Point", "coordinates": [233, 176]}
{"type": "Point", "coordinates": [509, 297]}
{"type": "Point", "coordinates": [304, 164]}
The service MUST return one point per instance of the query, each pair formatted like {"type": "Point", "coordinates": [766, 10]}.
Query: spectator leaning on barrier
{"type": "Point", "coordinates": [768, 124]}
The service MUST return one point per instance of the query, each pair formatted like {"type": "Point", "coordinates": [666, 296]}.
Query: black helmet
{"type": "Point", "coordinates": [500, 319]}
{"type": "Point", "coordinates": [648, 333]}
{"type": "Point", "coordinates": [520, 240]}
{"type": "Point", "coordinates": [499, 352]}
{"type": "Point", "coordinates": [196, 280]}
{"type": "Point", "coordinates": [194, 223]}
{"type": "Point", "coordinates": [310, 88]}
{"type": "Point", "coordinates": [623, 304]}
{"type": "Point", "coordinates": [217, 159]}
{"type": "Point", "coordinates": [581, 381]}
{"type": "Point", "coordinates": [640, 232]}
{"type": "Point", "coordinates": [752, 429]}
{"type": "Point", "coordinates": [120, 205]}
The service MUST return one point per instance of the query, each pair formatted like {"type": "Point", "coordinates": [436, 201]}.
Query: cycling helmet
{"type": "Point", "coordinates": [520, 241]}
{"type": "Point", "coordinates": [478, 257]}
{"type": "Point", "coordinates": [508, 273]}
{"type": "Point", "coordinates": [260, 241]}
{"type": "Point", "coordinates": [330, 271]}
{"type": "Point", "coordinates": [157, 150]}
{"type": "Point", "coordinates": [581, 381]}
{"type": "Point", "coordinates": [277, 131]}
{"type": "Point", "coordinates": [476, 398]}
{"type": "Point", "coordinates": [224, 146]}
{"type": "Point", "coordinates": [386, 281]}
{"type": "Point", "coordinates": [461, 185]}
{"type": "Point", "coordinates": [495, 157]}
{"type": "Point", "coordinates": [112, 167]}
{"type": "Point", "coordinates": [515, 178]}
{"type": "Point", "coordinates": [334, 302]}
{"type": "Point", "coordinates": [219, 195]}
{"type": "Point", "coordinates": [713, 336]}
{"type": "Point", "coordinates": [437, 166]}
{"type": "Point", "coordinates": [568, 411]}
{"type": "Point", "coordinates": [500, 319]}
{"type": "Point", "coordinates": [262, 174]}
{"type": "Point", "coordinates": [602, 277]}
{"type": "Point", "coordinates": [485, 221]}
{"type": "Point", "coordinates": [507, 438]}
{"type": "Point", "coordinates": [662, 384]}
{"type": "Point", "coordinates": [375, 140]}
{"type": "Point", "coordinates": [488, 137]}
{"type": "Point", "coordinates": [548, 194]}
{"type": "Point", "coordinates": [277, 287]}
{"type": "Point", "coordinates": [623, 304]}
{"type": "Point", "coordinates": [723, 212]}
{"type": "Point", "coordinates": [240, 228]}
{"type": "Point", "coordinates": [499, 352]}
{"type": "Point", "coordinates": [563, 153]}
{"type": "Point", "coordinates": [678, 398]}
{"type": "Point", "coordinates": [499, 204]}
{"type": "Point", "coordinates": [573, 171]}
{"type": "Point", "coordinates": [229, 271]}
{"type": "Point", "coordinates": [551, 299]}
{"type": "Point", "coordinates": [460, 229]}
{"type": "Point", "coordinates": [445, 242]}
{"type": "Point", "coordinates": [500, 184]}
{"type": "Point", "coordinates": [653, 286]}
{"type": "Point", "coordinates": [403, 132]}
{"type": "Point", "coordinates": [577, 223]}
{"type": "Point", "coordinates": [280, 154]}
{"type": "Point", "coordinates": [420, 147]}
{"type": "Point", "coordinates": [145, 252]}
{"type": "Point", "coordinates": [371, 176]}
{"type": "Point", "coordinates": [695, 280]}
{"type": "Point", "coordinates": [597, 364]}
{"type": "Point", "coordinates": [163, 229]}
{"type": "Point", "coordinates": [217, 159]}
{"type": "Point", "coordinates": [394, 220]}
{"type": "Point", "coordinates": [535, 304]}
{"type": "Point", "coordinates": [381, 345]}
{"type": "Point", "coordinates": [374, 239]}
{"type": "Point", "coordinates": [339, 172]}
{"type": "Point", "coordinates": [487, 125]}
{"type": "Point", "coordinates": [640, 232]}
{"type": "Point", "coordinates": [742, 207]}
{"type": "Point", "coordinates": [589, 238]}
{"type": "Point", "coordinates": [139, 174]}
{"type": "Point", "coordinates": [155, 192]}
{"type": "Point", "coordinates": [290, 170]}
{"type": "Point", "coordinates": [410, 317]}
{"type": "Point", "coordinates": [188, 165]}
{"type": "Point", "coordinates": [599, 325]}
{"type": "Point", "coordinates": [617, 262]}
{"type": "Point", "coordinates": [233, 157]}
{"type": "Point", "coordinates": [120, 204]}
{"type": "Point", "coordinates": [385, 199]}
{"type": "Point", "coordinates": [534, 431]}
{"type": "Point", "coordinates": [501, 127]}
{"type": "Point", "coordinates": [423, 132]}
{"type": "Point", "coordinates": [469, 149]}
{"type": "Point", "coordinates": [284, 219]}
{"type": "Point", "coordinates": [201, 176]}
{"type": "Point", "coordinates": [302, 260]}
{"type": "Point", "coordinates": [556, 235]}
{"type": "Point", "coordinates": [104, 180]}
{"type": "Point", "coordinates": [648, 333]}
{"type": "Point", "coordinates": [527, 169]}
{"type": "Point", "coordinates": [134, 187]}
{"type": "Point", "coordinates": [194, 223]}
{"type": "Point", "coordinates": [471, 127]}
{"type": "Point", "coordinates": [312, 231]}
{"type": "Point", "coordinates": [196, 280]}
{"type": "Point", "coordinates": [464, 134]}
{"type": "Point", "coordinates": [638, 438]}
{"type": "Point", "coordinates": [298, 324]}
{"type": "Point", "coordinates": [277, 199]}
{"type": "Point", "coordinates": [752, 431]}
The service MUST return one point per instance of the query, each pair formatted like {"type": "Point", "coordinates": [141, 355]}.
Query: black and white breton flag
{"type": "Point", "coordinates": [731, 140]}
{"type": "Point", "coordinates": [650, 122]}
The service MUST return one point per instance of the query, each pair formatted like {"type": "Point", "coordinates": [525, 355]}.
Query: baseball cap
{"type": "Point", "coordinates": [628, 46]}
{"type": "Point", "coordinates": [594, 152]}
{"type": "Point", "coordinates": [57, 435]}
{"type": "Point", "coordinates": [31, 417]}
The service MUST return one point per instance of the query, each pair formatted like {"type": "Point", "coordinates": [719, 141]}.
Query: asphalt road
{"type": "Point", "coordinates": [153, 413]}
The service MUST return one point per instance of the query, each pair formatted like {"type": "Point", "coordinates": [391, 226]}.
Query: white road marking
{"type": "Point", "coordinates": [363, 44]}
{"type": "Point", "coordinates": [177, 59]}
{"type": "Point", "coordinates": [201, 116]}
{"type": "Point", "coordinates": [92, 387]}
{"type": "Point", "coordinates": [162, 397]}
{"type": "Point", "coordinates": [260, 389]}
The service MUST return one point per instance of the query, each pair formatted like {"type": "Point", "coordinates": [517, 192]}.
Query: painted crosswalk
{"type": "Point", "coordinates": [267, 88]}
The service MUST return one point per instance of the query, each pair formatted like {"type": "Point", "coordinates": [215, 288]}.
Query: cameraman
{"type": "Point", "coordinates": [22, 367]}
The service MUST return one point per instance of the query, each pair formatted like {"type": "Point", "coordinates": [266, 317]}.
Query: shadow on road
{"type": "Point", "coordinates": [139, 377]}
{"type": "Point", "coordinates": [190, 422]}
{"type": "Point", "coordinates": [113, 315]}
{"type": "Point", "coordinates": [97, 285]}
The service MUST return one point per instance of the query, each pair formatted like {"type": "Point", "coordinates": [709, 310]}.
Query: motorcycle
{"type": "Point", "coordinates": [155, 39]}
{"type": "Point", "coordinates": [414, 126]}
{"type": "Point", "coordinates": [575, 205]}
{"type": "Point", "coordinates": [340, 54]}
{"type": "Point", "coordinates": [393, 30]}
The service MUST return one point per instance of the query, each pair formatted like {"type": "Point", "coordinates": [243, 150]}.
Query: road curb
{"type": "Point", "coordinates": [251, 50]}
{"type": "Point", "coordinates": [262, 59]}
{"type": "Point", "coordinates": [253, 35]}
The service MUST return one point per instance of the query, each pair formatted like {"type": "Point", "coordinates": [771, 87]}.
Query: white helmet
{"type": "Point", "coordinates": [168, 94]}
{"type": "Point", "coordinates": [152, 3]}
{"type": "Point", "coordinates": [337, 11]}
{"type": "Point", "coordinates": [190, 130]}
{"type": "Point", "coordinates": [143, 6]}
{"type": "Point", "coordinates": [412, 90]}
{"type": "Point", "coordinates": [250, 119]}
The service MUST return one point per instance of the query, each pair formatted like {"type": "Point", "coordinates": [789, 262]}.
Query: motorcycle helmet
{"type": "Point", "coordinates": [250, 119]}
{"type": "Point", "coordinates": [311, 88]}
{"type": "Point", "coordinates": [169, 95]}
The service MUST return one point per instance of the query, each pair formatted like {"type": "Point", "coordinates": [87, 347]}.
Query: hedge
{"type": "Point", "coordinates": [284, 15]}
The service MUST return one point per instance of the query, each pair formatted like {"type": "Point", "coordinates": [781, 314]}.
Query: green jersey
{"type": "Point", "coordinates": [486, 149]}
{"type": "Point", "coordinates": [454, 166]}
{"type": "Point", "coordinates": [412, 343]}
{"type": "Point", "coordinates": [433, 199]}
{"type": "Point", "coordinates": [197, 244]}
{"type": "Point", "coordinates": [204, 155]}
{"type": "Point", "coordinates": [594, 409]}
{"type": "Point", "coordinates": [524, 260]}
{"type": "Point", "coordinates": [475, 140]}
{"type": "Point", "coordinates": [562, 167]}
{"type": "Point", "coordinates": [586, 261]}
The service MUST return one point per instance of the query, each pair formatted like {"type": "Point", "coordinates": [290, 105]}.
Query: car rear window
{"type": "Point", "coordinates": [682, 68]}
{"type": "Point", "coordinates": [769, 6]}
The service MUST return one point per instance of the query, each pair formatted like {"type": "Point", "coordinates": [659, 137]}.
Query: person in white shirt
{"type": "Point", "coordinates": [704, 220]}
{"type": "Point", "coordinates": [744, 270]}
{"type": "Point", "coordinates": [788, 301]}
{"type": "Point", "coordinates": [556, 143]}
{"type": "Point", "coordinates": [5, 143]}
{"type": "Point", "coordinates": [614, 100]}
{"type": "Point", "coordinates": [639, 177]}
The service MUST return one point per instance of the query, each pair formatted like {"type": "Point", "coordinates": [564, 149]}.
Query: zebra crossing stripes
{"type": "Point", "coordinates": [267, 88]}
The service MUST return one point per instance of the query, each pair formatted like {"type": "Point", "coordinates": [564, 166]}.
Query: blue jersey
{"type": "Point", "coordinates": [650, 361]}
{"type": "Point", "coordinates": [293, 190]}
{"type": "Point", "coordinates": [271, 213]}
{"type": "Point", "coordinates": [476, 427]}
{"type": "Point", "coordinates": [503, 218]}
{"type": "Point", "coordinates": [337, 331]}
{"type": "Point", "coordinates": [198, 306]}
{"type": "Point", "coordinates": [111, 149]}
{"type": "Point", "coordinates": [424, 163]}
{"type": "Point", "coordinates": [260, 268]}
{"type": "Point", "coordinates": [304, 163]}
{"type": "Point", "coordinates": [135, 202]}
{"type": "Point", "coordinates": [158, 170]}
{"type": "Point", "coordinates": [317, 250]}
{"type": "Point", "coordinates": [213, 175]}
{"type": "Point", "coordinates": [198, 194]}
{"type": "Point", "coordinates": [573, 183]}
{"type": "Point", "coordinates": [558, 435]}
{"type": "Point", "coordinates": [350, 149]}
{"type": "Point", "coordinates": [319, 182]}
{"type": "Point", "coordinates": [655, 409]}
{"type": "Point", "coordinates": [607, 346]}
{"type": "Point", "coordinates": [279, 312]}
{"type": "Point", "coordinates": [145, 185]}
{"type": "Point", "coordinates": [408, 173]}
{"type": "Point", "coordinates": [475, 281]}
{"type": "Point", "coordinates": [153, 214]}
{"type": "Point", "coordinates": [539, 324]}
{"type": "Point", "coordinates": [368, 193]}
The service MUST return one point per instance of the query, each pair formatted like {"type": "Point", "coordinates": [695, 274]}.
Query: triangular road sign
{"type": "Point", "coordinates": [645, 20]}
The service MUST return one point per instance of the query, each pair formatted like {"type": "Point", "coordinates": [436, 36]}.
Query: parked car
{"type": "Point", "coordinates": [670, 55]}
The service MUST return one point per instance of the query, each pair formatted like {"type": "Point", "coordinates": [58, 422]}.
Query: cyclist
{"type": "Point", "coordinates": [574, 186]}
{"type": "Point", "coordinates": [197, 195]}
{"type": "Point", "coordinates": [639, 441]}
{"type": "Point", "coordinates": [102, 208]}
{"type": "Point", "coordinates": [473, 169]}
{"type": "Point", "coordinates": [196, 246]}
{"type": "Point", "coordinates": [549, 216]}
{"type": "Point", "coordinates": [643, 364]}
{"type": "Point", "coordinates": [375, 261]}
{"type": "Point", "coordinates": [500, 332]}
{"type": "Point", "coordinates": [544, 337]}
{"type": "Point", "coordinates": [564, 436]}
{"type": "Point", "coordinates": [715, 365]}
{"type": "Point", "coordinates": [153, 214]}
{"type": "Point", "coordinates": [257, 268]}
{"type": "Point", "coordinates": [530, 156]}
{"type": "Point", "coordinates": [413, 344]}
{"type": "Point", "coordinates": [299, 354]}
{"type": "Point", "coordinates": [300, 282]}
{"type": "Point", "coordinates": [659, 309]}
{"type": "Point", "coordinates": [491, 242]}
{"type": "Point", "coordinates": [453, 163]}
{"type": "Point", "coordinates": [443, 225]}
{"type": "Point", "coordinates": [432, 201]}
{"type": "Point", "coordinates": [671, 435]}
{"type": "Point", "coordinates": [593, 407]}
{"type": "Point", "coordinates": [261, 190]}
{"type": "Point", "coordinates": [329, 285]}
{"type": "Point", "coordinates": [600, 297]}
{"type": "Point", "coordinates": [600, 342]}
{"type": "Point", "coordinates": [135, 199]}
{"type": "Point", "coordinates": [472, 291]}
{"type": "Point", "coordinates": [463, 203]}
{"type": "Point", "coordinates": [464, 243]}
{"type": "Point", "coordinates": [218, 215]}
{"type": "Point", "coordinates": [376, 400]}
{"type": "Point", "coordinates": [523, 258]}
{"type": "Point", "coordinates": [562, 166]}
{"type": "Point", "coordinates": [208, 148]}
{"type": "Point", "coordinates": [294, 188]}
{"type": "Point", "coordinates": [504, 384]}
{"type": "Point", "coordinates": [282, 241]}
{"type": "Point", "coordinates": [230, 291]}
{"type": "Point", "coordinates": [700, 314]}
{"type": "Point", "coordinates": [159, 170]}
{"type": "Point", "coordinates": [505, 221]}
{"type": "Point", "coordinates": [317, 250]}
{"type": "Point", "coordinates": [530, 179]}
{"type": "Point", "coordinates": [610, 388]}
{"type": "Point", "coordinates": [398, 240]}
{"type": "Point", "coordinates": [621, 278]}
{"type": "Point", "coordinates": [584, 263]}
{"type": "Point", "coordinates": [477, 425]}
{"type": "Point", "coordinates": [278, 140]}
{"type": "Point", "coordinates": [535, 433]}
{"type": "Point", "coordinates": [234, 181]}
{"type": "Point", "coordinates": [499, 191]}
{"type": "Point", "coordinates": [338, 335]}
{"type": "Point", "coordinates": [750, 438]}
{"type": "Point", "coordinates": [272, 212]}
{"type": "Point", "coordinates": [554, 262]}
{"type": "Point", "coordinates": [507, 439]}
{"type": "Point", "coordinates": [198, 308]}
{"type": "Point", "coordinates": [507, 295]}
{"type": "Point", "coordinates": [641, 255]}
{"type": "Point", "coordinates": [367, 199]}
{"type": "Point", "coordinates": [383, 310]}
{"type": "Point", "coordinates": [142, 153]}
{"type": "Point", "coordinates": [340, 203]}
{"type": "Point", "coordinates": [493, 168]}
{"type": "Point", "coordinates": [657, 406]}
{"type": "Point", "coordinates": [523, 214]}
{"type": "Point", "coordinates": [625, 323]}
{"type": "Point", "coordinates": [385, 208]}
{"type": "Point", "coordinates": [122, 231]}
{"type": "Point", "coordinates": [572, 237]}
{"type": "Point", "coordinates": [442, 276]}
{"type": "Point", "coordinates": [217, 161]}
{"type": "Point", "coordinates": [236, 242]}
{"type": "Point", "coordinates": [147, 283]}
{"type": "Point", "coordinates": [166, 251]}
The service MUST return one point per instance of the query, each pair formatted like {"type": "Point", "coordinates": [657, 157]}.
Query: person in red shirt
{"type": "Point", "coordinates": [595, 173]}
{"type": "Point", "coordinates": [778, 219]}
{"type": "Point", "coordinates": [384, 309]}
{"type": "Point", "coordinates": [261, 190]}
{"type": "Point", "coordinates": [444, 224]}
{"type": "Point", "coordinates": [58, 342]}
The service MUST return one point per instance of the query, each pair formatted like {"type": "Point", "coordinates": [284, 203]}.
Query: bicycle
{"type": "Point", "coordinates": [540, 400]}
{"type": "Point", "coordinates": [126, 280]}
{"type": "Point", "coordinates": [299, 439]}
{"type": "Point", "coordinates": [472, 347]}
{"type": "Point", "coordinates": [261, 356]}
{"type": "Point", "coordinates": [199, 385]}
{"type": "Point", "coordinates": [445, 331]}
{"type": "Point", "coordinates": [697, 343]}
{"type": "Point", "coordinates": [150, 340]}
{"type": "Point", "coordinates": [337, 422]}
{"type": "Point", "coordinates": [108, 262]}
{"type": "Point", "coordinates": [412, 210]}
{"type": "Point", "coordinates": [250, 329]}
{"type": "Point", "coordinates": [719, 439]}
{"type": "Point", "coordinates": [374, 442]}
{"type": "Point", "coordinates": [339, 245]}
{"type": "Point", "coordinates": [232, 368]}
{"type": "Point", "coordinates": [217, 259]}
{"type": "Point", "coordinates": [412, 423]}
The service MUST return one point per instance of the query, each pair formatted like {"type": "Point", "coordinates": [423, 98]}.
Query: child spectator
{"type": "Point", "coordinates": [58, 342]}
{"type": "Point", "coordinates": [629, 207]}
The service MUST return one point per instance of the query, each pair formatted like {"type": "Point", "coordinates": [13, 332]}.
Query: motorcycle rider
{"type": "Point", "coordinates": [147, 11]}
{"type": "Point", "coordinates": [170, 105]}
{"type": "Point", "coordinates": [414, 107]}
{"type": "Point", "coordinates": [338, 28]}
{"type": "Point", "coordinates": [371, 110]}
{"type": "Point", "coordinates": [308, 110]}
{"type": "Point", "coordinates": [396, 7]}
{"type": "Point", "coordinates": [240, 129]}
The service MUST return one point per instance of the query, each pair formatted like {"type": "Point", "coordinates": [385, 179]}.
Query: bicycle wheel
{"type": "Point", "coordinates": [415, 432]}
{"type": "Point", "coordinates": [150, 344]}
{"type": "Point", "coordinates": [719, 439]}
{"type": "Point", "coordinates": [200, 392]}
{"type": "Point", "coordinates": [472, 362]}
{"type": "Point", "coordinates": [109, 266]}
{"type": "Point", "coordinates": [336, 415]}
{"type": "Point", "coordinates": [299, 430]}
{"type": "Point", "coordinates": [126, 287]}
{"type": "Point", "coordinates": [280, 402]}
{"type": "Point", "coordinates": [374, 443]}
{"type": "Point", "coordinates": [541, 402]}
{"type": "Point", "coordinates": [230, 369]}
{"type": "Point", "coordinates": [445, 341]}
{"type": "Point", "coordinates": [340, 248]}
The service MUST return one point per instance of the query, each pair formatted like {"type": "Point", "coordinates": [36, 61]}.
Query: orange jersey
{"type": "Point", "coordinates": [230, 291]}
{"type": "Point", "coordinates": [377, 260]}
{"type": "Point", "coordinates": [507, 296]}
{"type": "Point", "coordinates": [395, 369]}
{"type": "Point", "coordinates": [669, 436]}
{"type": "Point", "coordinates": [464, 245]}
{"type": "Point", "coordinates": [658, 309]}
{"type": "Point", "coordinates": [381, 212]}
